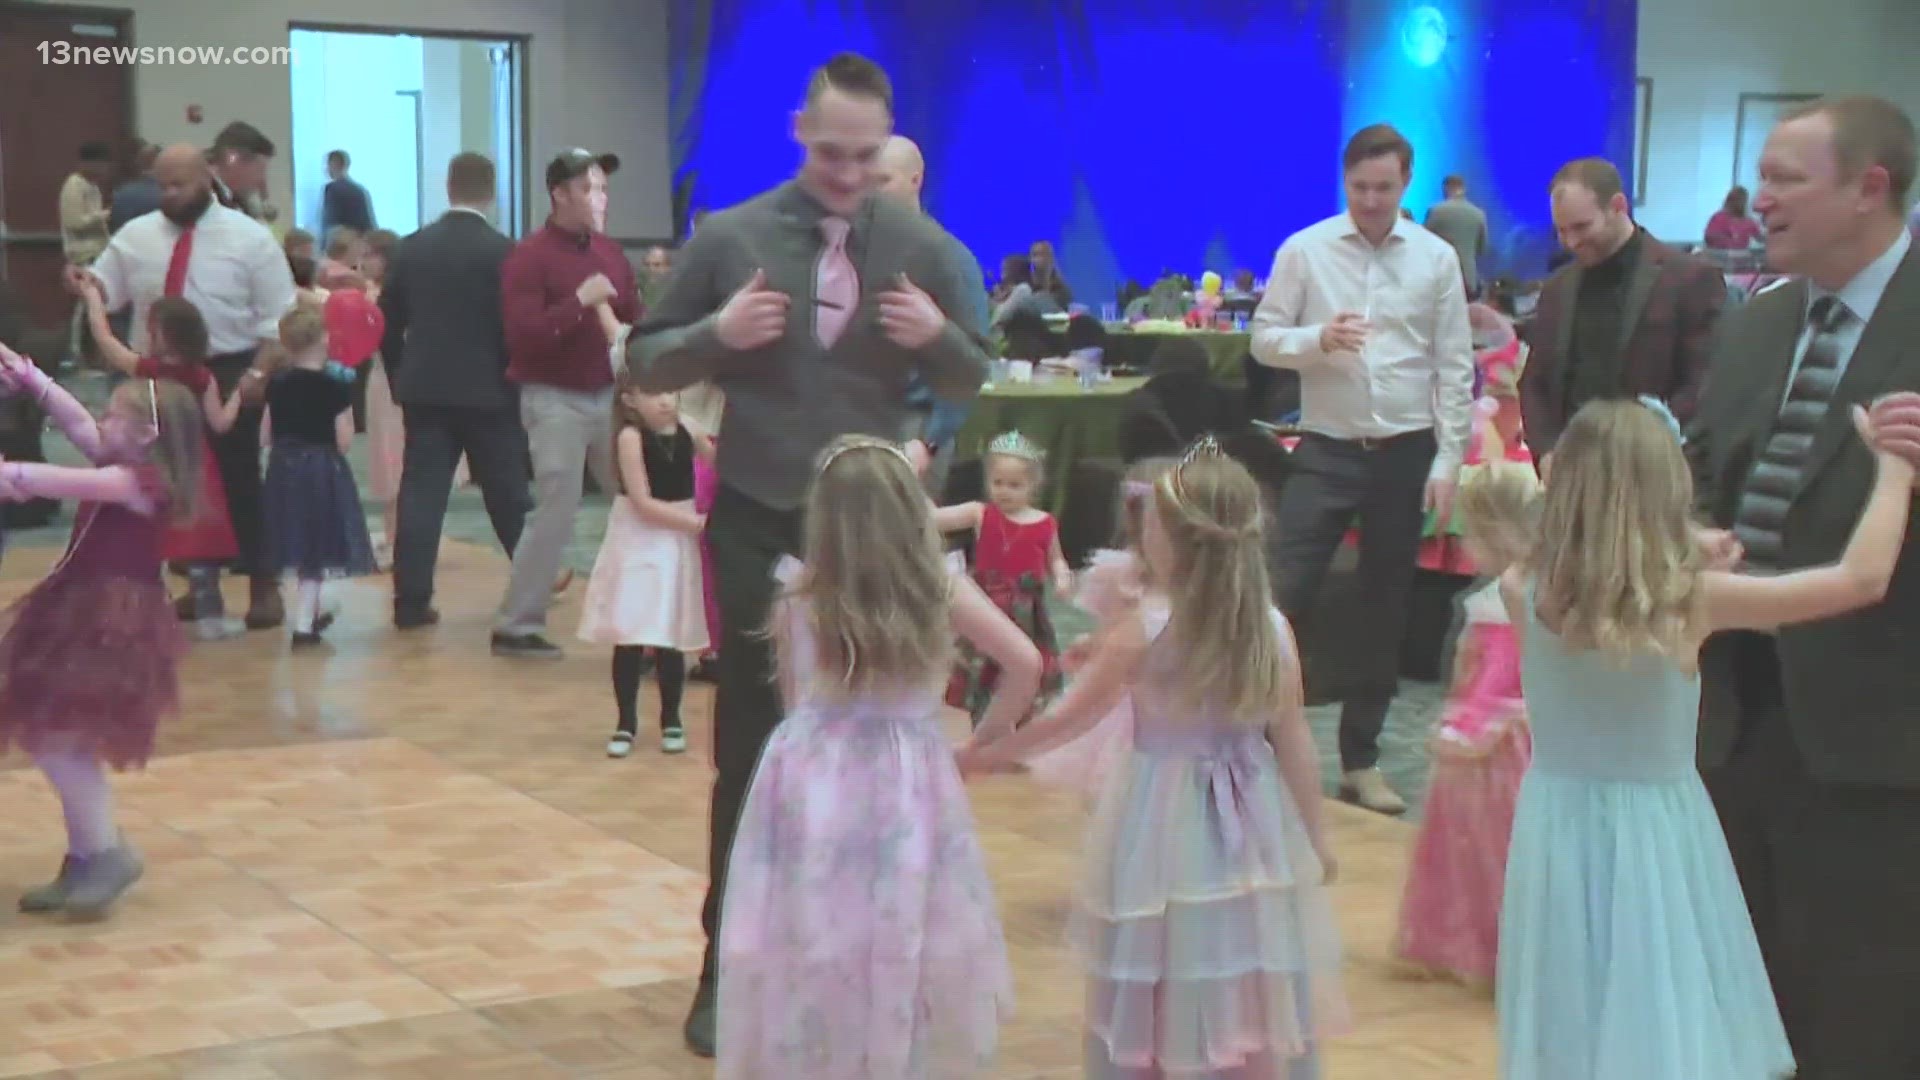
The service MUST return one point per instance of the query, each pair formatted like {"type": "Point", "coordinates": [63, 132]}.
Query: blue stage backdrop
{"type": "Point", "coordinates": [1141, 137]}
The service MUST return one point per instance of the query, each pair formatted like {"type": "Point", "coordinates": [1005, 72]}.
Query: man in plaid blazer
{"type": "Point", "coordinates": [1628, 316]}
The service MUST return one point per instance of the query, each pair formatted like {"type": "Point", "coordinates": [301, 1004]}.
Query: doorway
{"type": "Point", "coordinates": [401, 104]}
{"type": "Point", "coordinates": [47, 110]}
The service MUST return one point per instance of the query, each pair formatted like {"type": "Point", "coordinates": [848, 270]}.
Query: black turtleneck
{"type": "Point", "coordinates": [1594, 351]}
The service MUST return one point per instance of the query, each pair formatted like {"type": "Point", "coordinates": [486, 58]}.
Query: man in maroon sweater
{"type": "Point", "coordinates": [557, 354]}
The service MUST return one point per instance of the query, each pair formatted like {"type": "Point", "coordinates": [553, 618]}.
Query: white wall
{"type": "Point", "coordinates": [1703, 54]}
{"type": "Point", "coordinates": [597, 77]}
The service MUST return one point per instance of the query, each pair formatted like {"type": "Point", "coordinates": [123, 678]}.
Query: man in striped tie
{"type": "Point", "coordinates": [1810, 737]}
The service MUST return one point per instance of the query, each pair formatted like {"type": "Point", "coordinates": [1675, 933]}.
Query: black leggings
{"type": "Point", "coordinates": [670, 667]}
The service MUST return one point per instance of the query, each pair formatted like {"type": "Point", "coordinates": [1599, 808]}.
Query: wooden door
{"type": "Point", "coordinates": [47, 110]}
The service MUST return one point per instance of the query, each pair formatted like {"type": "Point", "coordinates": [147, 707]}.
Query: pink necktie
{"type": "Point", "coordinates": [836, 285]}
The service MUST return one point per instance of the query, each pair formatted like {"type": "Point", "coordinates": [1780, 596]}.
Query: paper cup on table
{"type": "Point", "coordinates": [1020, 371]}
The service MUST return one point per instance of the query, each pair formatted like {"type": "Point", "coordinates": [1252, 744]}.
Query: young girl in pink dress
{"type": "Point", "coordinates": [1450, 911]}
{"type": "Point", "coordinates": [89, 657]}
{"type": "Point", "coordinates": [1016, 556]}
{"type": "Point", "coordinates": [1204, 921]}
{"type": "Point", "coordinates": [859, 936]}
{"type": "Point", "coordinates": [1109, 587]}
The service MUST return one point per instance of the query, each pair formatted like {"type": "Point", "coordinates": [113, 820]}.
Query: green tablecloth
{"type": "Point", "coordinates": [1225, 348]}
{"type": "Point", "coordinates": [1069, 423]}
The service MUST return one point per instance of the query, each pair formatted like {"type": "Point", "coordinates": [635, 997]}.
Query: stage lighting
{"type": "Point", "coordinates": [1424, 38]}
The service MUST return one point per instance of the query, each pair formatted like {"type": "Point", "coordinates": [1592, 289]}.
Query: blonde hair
{"type": "Point", "coordinates": [177, 443]}
{"type": "Point", "coordinates": [1222, 628]}
{"type": "Point", "coordinates": [876, 584]}
{"type": "Point", "coordinates": [303, 327]}
{"type": "Point", "coordinates": [1616, 566]}
{"type": "Point", "coordinates": [1498, 506]}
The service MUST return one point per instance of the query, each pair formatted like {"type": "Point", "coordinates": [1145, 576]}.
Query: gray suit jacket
{"type": "Point", "coordinates": [1850, 682]}
{"type": "Point", "coordinates": [1463, 225]}
{"type": "Point", "coordinates": [786, 401]}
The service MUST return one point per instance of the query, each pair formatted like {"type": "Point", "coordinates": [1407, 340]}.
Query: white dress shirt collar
{"type": "Point", "coordinates": [1862, 295]}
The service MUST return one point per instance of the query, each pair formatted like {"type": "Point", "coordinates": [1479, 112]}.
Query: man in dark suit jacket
{"type": "Point", "coordinates": [446, 357]}
{"type": "Point", "coordinates": [1628, 316]}
{"type": "Point", "coordinates": [1809, 737]}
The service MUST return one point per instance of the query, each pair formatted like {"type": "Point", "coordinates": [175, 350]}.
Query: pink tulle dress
{"type": "Point", "coordinates": [1202, 919]}
{"type": "Point", "coordinates": [89, 657]}
{"type": "Point", "coordinates": [1450, 912]}
{"type": "Point", "coordinates": [1108, 590]}
{"type": "Point", "coordinates": [859, 939]}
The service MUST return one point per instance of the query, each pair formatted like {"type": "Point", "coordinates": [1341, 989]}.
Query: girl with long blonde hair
{"type": "Point", "coordinates": [859, 935]}
{"type": "Point", "coordinates": [1203, 920]}
{"type": "Point", "coordinates": [1626, 948]}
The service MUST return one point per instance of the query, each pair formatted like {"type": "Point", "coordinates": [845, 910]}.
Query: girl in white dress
{"type": "Point", "coordinates": [645, 592]}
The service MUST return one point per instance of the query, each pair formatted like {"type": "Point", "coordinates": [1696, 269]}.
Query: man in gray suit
{"type": "Point", "coordinates": [813, 307]}
{"type": "Point", "coordinates": [1463, 225]}
{"type": "Point", "coordinates": [1808, 737]}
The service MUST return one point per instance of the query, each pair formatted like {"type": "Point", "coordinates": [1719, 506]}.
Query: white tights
{"type": "Point", "coordinates": [86, 798]}
{"type": "Point", "coordinates": [306, 604]}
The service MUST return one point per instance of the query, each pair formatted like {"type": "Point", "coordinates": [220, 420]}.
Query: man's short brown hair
{"type": "Point", "coordinates": [470, 178]}
{"type": "Point", "coordinates": [1378, 140]}
{"type": "Point", "coordinates": [1595, 174]}
{"type": "Point", "coordinates": [851, 73]}
{"type": "Point", "coordinates": [1868, 131]}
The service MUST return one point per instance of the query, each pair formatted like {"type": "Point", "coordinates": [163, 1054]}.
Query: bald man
{"type": "Point", "coordinates": [237, 276]}
{"type": "Point", "coordinates": [901, 173]}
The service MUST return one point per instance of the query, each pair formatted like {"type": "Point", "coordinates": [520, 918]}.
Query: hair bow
{"type": "Point", "coordinates": [1660, 409]}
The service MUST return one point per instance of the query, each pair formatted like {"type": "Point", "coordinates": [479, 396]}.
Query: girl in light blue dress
{"type": "Point", "coordinates": [1626, 949]}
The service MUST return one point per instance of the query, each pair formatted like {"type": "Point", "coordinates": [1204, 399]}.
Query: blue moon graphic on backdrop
{"type": "Point", "coordinates": [1424, 38]}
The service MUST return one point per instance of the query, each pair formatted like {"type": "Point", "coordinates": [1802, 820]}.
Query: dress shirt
{"type": "Point", "coordinates": [551, 339]}
{"type": "Point", "coordinates": [1416, 372]}
{"type": "Point", "coordinates": [238, 276]}
{"type": "Point", "coordinates": [83, 220]}
{"type": "Point", "coordinates": [1862, 297]}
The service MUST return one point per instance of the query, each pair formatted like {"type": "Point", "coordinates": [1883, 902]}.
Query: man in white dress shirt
{"type": "Point", "coordinates": [233, 270]}
{"type": "Point", "coordinates": [1370, 309]}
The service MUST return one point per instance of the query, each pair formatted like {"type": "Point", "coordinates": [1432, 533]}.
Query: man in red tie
{"type": "Point", "coordinates": [233, 270]}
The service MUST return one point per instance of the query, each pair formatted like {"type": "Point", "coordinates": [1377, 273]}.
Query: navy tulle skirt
{"type": "Point", "coordinates": [315, 526]}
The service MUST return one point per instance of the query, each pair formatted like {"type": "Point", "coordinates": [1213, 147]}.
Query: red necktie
{"type": "Point", "coordinates": [176, 284]}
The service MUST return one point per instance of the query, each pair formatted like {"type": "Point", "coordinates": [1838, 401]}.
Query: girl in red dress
{"type": "Point", "coordinates": [177, 339]}
{"type": "Point", "coordinates": [89, 657]}
{"type": "Point", "coordinates": [1016, 556]}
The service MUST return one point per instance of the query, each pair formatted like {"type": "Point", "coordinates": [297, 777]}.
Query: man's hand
{"type": "Point", "coordinates": [1895, 422]}
{"type": "Point", "coordinates": [753, 317]}
{"type": "Point", "coordinates": [1722, 550]}
{"type": "Point", "coordinates": [1346, 333]}
{"type": "Point", "coordinates": [1438, 500]}
{"type": "Point", "coordinates": [595, 290]}
{"type": "Point", "coordinates": [908, 316]}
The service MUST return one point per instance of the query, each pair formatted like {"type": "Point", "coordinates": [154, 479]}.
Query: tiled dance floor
{"type": "Point", "coordinates": [397, 857]}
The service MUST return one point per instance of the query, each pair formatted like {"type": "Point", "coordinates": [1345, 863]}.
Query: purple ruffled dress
{"type": "Point", "coordinates": [89, 658]}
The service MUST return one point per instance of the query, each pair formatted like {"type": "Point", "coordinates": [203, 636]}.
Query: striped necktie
{"type": "Point", "coordinates": [1775, 479]}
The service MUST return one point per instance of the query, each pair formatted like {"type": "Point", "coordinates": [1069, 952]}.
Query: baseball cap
{"type": "Point", "coordinates": [569, 164]}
